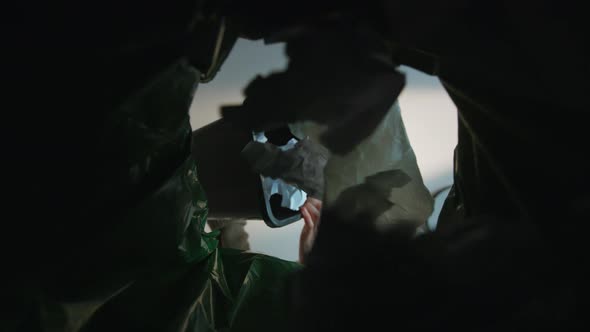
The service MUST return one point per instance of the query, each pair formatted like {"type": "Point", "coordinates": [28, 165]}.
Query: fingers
{"type": "Point", "coordinates": [315, 202]}
{"type": "Point", "coordinates": [305, 234]}
{"type": "Point", "coordinates": [310, 211]}
{"type": "Point", "coordinates": [313, 211]}
{"type": "Point", "coordinates": [307, 218]}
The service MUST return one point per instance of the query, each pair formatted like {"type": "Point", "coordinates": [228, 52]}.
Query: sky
{"type": "Point", "coordinates": [429, 116]}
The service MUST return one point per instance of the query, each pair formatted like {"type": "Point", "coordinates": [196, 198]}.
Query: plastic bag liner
{"type": "Point", "coordinates": [209, 289]}
{"type": "Point", "coordinates": [385, 163]}
{"type": "Point", "coordinates": [153, 267]}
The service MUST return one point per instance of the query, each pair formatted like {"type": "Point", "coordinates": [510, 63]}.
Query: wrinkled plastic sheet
{"type": "Point", "coordinates": [206, 289]}
{"type": "Point", "coordinates": [154, 268]}
{"type": "Point", "coordinates": [229, 291]}
{"type": "Point", "coordinates": [382, 168]}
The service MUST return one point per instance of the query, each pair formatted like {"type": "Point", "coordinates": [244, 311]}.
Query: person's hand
{"type": "Point", "coordinates": [310, 211]}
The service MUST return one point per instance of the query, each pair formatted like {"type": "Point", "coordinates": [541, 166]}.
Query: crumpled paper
{"type": "Point", "coordinates": [292, 197]}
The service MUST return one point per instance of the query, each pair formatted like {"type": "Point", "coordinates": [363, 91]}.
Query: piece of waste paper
{"type": "Point", "coordinates": [292, 197]}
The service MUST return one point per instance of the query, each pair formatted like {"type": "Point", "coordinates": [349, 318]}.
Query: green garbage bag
{"type": "Point", "coordinates": [208, 289]}
{"type": "Point", "coordinates": [152, 267]}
